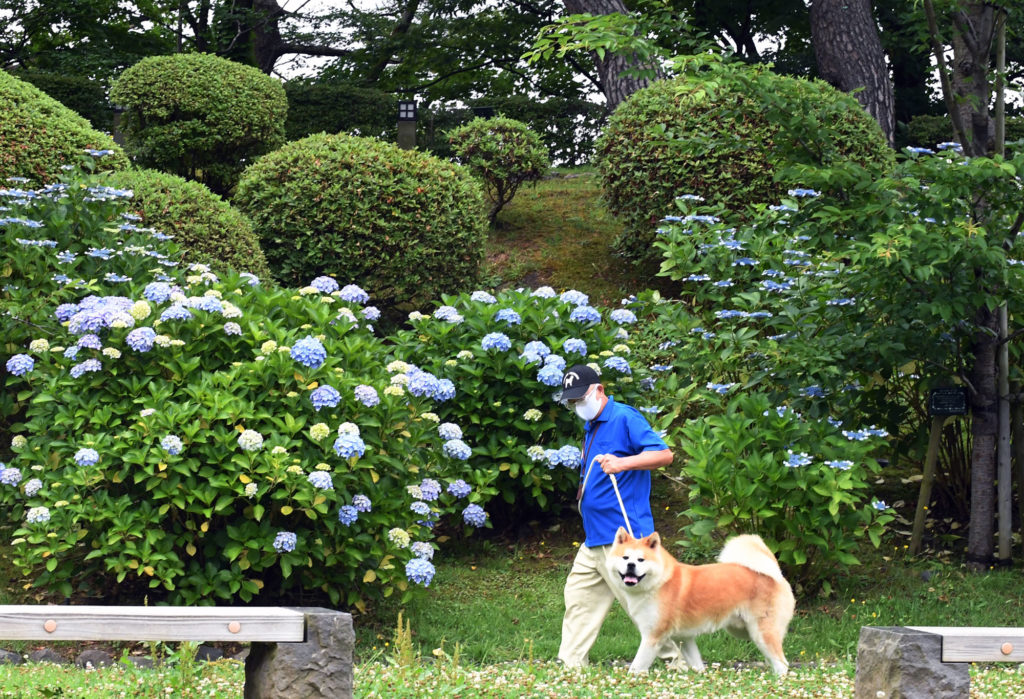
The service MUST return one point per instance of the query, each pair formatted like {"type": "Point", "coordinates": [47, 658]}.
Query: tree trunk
{"type": "Point", "coordinates": [984, 432]}
{"type": "Point", "coordinates": [615, 86]}
{"type": "Point", "coordinates": [850, 56]}
{"type": "Point", "coordinates": [973, 38]}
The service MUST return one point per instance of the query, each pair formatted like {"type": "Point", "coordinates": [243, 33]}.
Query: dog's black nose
{"type": "Point", "coordinates": [631, 567]}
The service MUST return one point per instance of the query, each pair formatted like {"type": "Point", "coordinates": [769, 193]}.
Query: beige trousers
{"type": "Point", "coordinates": [589, 593]}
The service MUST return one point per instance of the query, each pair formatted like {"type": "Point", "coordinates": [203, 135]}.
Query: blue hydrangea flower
{"type": "Point", "coordinates": [421, 508]}
{"type": "Point", "coordinates": [172, 444]}
{"type": "Point", "coordinates": [347, 515]}
{"type": "Point", "coordinates": [86, 457]}
{"type": "Point", "coordinates": [20, 364]}
{"type": "Point", "coordinates": [419, 570]}
{"type": "Point", "coordinates": [86, 366]}
{"type": "Point", "coordinates": [37, 515]}
{"type": "Point", "coordinates": [90, 341]}
{"type": "Point", "coordinates": [550, 375]}
{"type": "Point", "coordinates": [309, 352]}
{"type": "Point", "coordinates": [556, 361]}
{"type": "Point", "coordinates": [367, 395]}
{"type": "Point", "coordinates": [353, 294]}
{"type": "Point", "coordinates": [141, 339]}
{"type": "Point", "coordinates": [796, 459]}
{"type": "Point", "coordinates": [71, 352]}
{"type": "Point", "coordinates": [840, 464]}
{"type": "Point", "coordinates": [509, 316]}
{"type": "Point", "coordinates": [482, 297]}
{"type": "Point", "coordinates": [422, 549]}
{"type": "Point", "coordinates": [570, 456]}
{"type": "Point", "coordinates": [348, 445]}
{"type": "Point", "coordinates": [720, 388]}
{"type": "Point", "coordinates": [176, 312]}
{"type": "Point", "coordinates": [371, 313]}
{"type": "Point", "coordinates": [321, 480]}
{"type": "Point", "coordinates": [449, 314]}
{"type": "Point", "coordinates": [622, 316]}
{"type": "Point", "coordinates": [449, 430]}
{"type": "Point", "coordinates": [553, 457]}
{"type": "Point", "coordinates": [544, 292]}
{"type": "Point", "coordinates": [575, 345]}
{"type": "Point", "coordinates": [585, 314]}
{"type": "Point", "coordinates": [285, 541]}
{"type": "Point", "coordinates": [619, 364]}
{"type": "Point", "coordinates": [324, 396]}
{"type": "Point", "coordinates": [445, 390]}
{"type": "Point", "coordinates": [361, 503]}
{"type": "Point", "coordinates": [65, 311]}
{"type": "Point", "coordinates": [33, 486]}
{"type": "Point", "coordinates": [880, 505]}
{"type": "Point", "coordinates": [9, 475]}
{"type": "Point", "coordinates": [531, 358]}
{"type": "Point", "coordinates": [457, 449]}
{"type": "Point", "coordinates": [459, 488]}
{"type": "Point", "coordinates": [538, 348]}
{"type": "Point", "coordinates": [422, 383]}
{"type": "Point", "coordinates": [430, 489]}
{"type": "Point", "coordinates": [498, 341]}
{"type": "Point", "coordinates": [576, 298]}
{"type": "Point", "coordinates": [232, 328]}
{"type": "Point", "coordinates": [325, 285]}
{"type": "Point", "coordinates": [474, 515]}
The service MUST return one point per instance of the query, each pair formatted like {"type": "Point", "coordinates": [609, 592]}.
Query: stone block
{"type": "Point", "coordinates": [318, 668]}
{"type": "Point", "coordinates": [894, 662]}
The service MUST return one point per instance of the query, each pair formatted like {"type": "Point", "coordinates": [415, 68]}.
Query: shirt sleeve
{"type": "Point", "coordinates": [642, 436]}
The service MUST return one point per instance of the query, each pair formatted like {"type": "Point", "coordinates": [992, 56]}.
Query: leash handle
{"type": "Point", "coordinates": [622, 506]}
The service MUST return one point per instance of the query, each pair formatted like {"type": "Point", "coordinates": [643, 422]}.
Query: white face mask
{"type": "Point", "coordinates": [589, 407]}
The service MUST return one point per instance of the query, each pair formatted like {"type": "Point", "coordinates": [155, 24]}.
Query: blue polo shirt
{"type": "Point", "coordinates": [623, 431]}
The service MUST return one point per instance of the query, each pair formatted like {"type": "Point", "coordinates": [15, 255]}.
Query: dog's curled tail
{"type": "Point", "coordinates": [750, 551]}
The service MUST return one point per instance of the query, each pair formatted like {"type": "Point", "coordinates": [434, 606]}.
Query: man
{"type": "Point", "coordinates": [617, 439]}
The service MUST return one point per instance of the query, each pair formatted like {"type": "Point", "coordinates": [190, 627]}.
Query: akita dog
{"type": "Point", "coordinates": [744, 593]}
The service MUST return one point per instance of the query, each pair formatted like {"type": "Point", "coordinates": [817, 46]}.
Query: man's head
{"type": "Point", "coordinates": [576, 382]}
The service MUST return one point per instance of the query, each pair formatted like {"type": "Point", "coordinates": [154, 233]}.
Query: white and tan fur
{"type": "Point", "coordinates": [744, 593]}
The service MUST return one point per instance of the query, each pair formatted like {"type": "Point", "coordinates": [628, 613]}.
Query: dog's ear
{"type": "Point", "coordinates": [654, 541]}
{"type": "Point", "coordinates": [621, 535]}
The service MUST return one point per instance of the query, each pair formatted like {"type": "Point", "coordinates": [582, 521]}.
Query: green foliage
{"type": "Point", "coordinates": [39, 135]}
{"type": "Point", "coordinates": [85, 96]}
{"type": "Point", "coordinates": [726, 131]}
{"type": "Point", "coordinates": [928, 130]}
{"type": "Point", "coordinates": [206, 227]}
{"type": "Point", "coordinates": [407, 225]}
{"type": "Point", "coordinates": [334, 107]}
{"type": "Point", "coordinates": [801, 484]}
{"type": "Point", "coordinates": [199, 116]}
{"type": "Point", "coordinates": [503, 153]}
{"type": "Point", "coordinates": [507, 400]}
{"type": "Point", "coordinates": [200, 408]}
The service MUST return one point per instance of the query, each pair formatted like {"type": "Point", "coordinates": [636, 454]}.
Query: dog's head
{"type": "Point", "coordinates": [635, 561]}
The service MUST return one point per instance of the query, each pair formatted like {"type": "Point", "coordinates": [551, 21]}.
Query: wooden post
{"type": "Point", "coordinates": [925, 495]}
{"type": "Point", "coordinates": [1004, 471]}
{"type": "Point", "coordinates": [1017, 432]}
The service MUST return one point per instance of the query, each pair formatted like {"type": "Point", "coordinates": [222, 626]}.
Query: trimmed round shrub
{"type": "Point", "coordinates": [199, 116]}
{"type": "Point", "coordinates": [85, 96]}
{"type": "Point", "coordinates": [503, 153]}
{"type": "Point", "coordinates": [206, 227]}
{"type": "Point", "coordinates": [726, 133]}
{"type": "Point", "coordinates": [39, 135]}
{"type": "Point", "coordinates": [407, 225]}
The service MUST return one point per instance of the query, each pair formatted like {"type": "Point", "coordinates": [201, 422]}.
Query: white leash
{"type": "Point", "coordinates": [615, 486]}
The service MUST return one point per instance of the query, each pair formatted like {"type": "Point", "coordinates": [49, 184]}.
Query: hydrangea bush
{"type": "Point", "coordinates": [204, 437]}
{"type": "Point", "coordinates": [506, 353]}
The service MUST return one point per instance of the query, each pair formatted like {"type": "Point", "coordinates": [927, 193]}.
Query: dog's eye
{"type": "Point", "coordinates": [639, 560]}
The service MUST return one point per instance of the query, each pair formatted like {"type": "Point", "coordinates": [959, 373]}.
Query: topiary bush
{"type": "Point", "coordinates": [408, 225]}
{"type": "Point", "coordinates": [724, 131]}
{"type": "Point", "coordinates": [85, 96]}
{"type": "Point", "coordinates": [503, 153]}
{"type": "Point", "coordinates": [39, 135]}
{"type": "Point", "coordinates": [192, 438]}
{"type": "Point", "coordinates": [199, 116]}
{"type": "Point", "coordinates": [208, 229]}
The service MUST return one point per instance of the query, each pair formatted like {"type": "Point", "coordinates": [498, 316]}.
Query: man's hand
{"type": "Point", "coordinates": [611, 463]}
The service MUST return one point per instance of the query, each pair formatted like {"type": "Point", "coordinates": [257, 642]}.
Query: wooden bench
{"type": "Point", "coordinates": [295, 651]}
{"type": "Point", "coordinates": [929, 661]}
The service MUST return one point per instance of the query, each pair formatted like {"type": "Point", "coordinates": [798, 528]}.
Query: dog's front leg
{"type": "Point", "coordinates": [692, 654]}
{"type": "Point", "coordinates": [645, 654]}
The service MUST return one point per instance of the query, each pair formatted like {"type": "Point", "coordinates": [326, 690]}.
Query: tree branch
{"type": "Point", "coordinates": [960, 134]}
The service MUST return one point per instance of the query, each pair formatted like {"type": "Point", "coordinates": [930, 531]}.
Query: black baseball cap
{"type": "Point", "coordinates": [577, 380]}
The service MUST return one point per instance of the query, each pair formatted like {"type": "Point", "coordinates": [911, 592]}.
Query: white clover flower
{"type": "Point", "coordinates": [250, 440]}
{"type": "Point", "coordinates": [40, 345]}
{"type": "Point", "coordinates": [319, 431]}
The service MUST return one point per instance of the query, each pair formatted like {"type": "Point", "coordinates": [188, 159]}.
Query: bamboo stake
{"type": "Point", "coordinates": [928, 478]}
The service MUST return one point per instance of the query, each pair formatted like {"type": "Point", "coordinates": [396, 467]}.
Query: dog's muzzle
{"type": "Point", "coordinates": [630, 577]}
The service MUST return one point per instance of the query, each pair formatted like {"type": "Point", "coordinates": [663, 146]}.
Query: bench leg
{"type": "Point", "coordinates": [894, 662]}
{"type": "Point", "coordinates": [319, 667]}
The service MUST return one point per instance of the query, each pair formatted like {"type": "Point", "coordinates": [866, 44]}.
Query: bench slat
{"type": "Point", "coordinates": [978, 644]}
{"type": "Point", "coordinates": [100, 623]}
